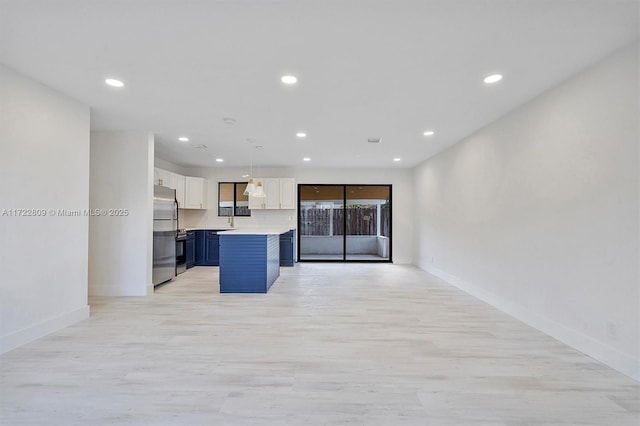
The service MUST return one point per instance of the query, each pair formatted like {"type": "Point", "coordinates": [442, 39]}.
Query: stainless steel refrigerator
{"type": "Point", "coordinates": [165, 228]}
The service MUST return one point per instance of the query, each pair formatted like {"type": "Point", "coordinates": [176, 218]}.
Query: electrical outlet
{"type": "Point", "coordinates": [612, 330]}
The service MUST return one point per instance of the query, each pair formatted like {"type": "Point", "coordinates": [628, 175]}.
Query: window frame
{"type": "Point", "coordinates": [235, 200]}
{"type": "Point", "coordinates": [345, 199]}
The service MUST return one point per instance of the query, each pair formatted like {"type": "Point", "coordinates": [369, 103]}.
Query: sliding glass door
{"type": "Point", "coordinates": [321, 226]}
{"type": "Point", "coordinates": [368, 222]}
{"type": "Point", "coordinates": [344, 223]}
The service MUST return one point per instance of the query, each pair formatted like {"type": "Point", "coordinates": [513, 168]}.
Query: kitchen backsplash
{"type": "Point", "coordinates": [258, 219]}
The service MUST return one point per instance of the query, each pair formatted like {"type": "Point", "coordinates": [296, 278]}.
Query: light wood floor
{"type": "Point", "coordinates": [330, 344]}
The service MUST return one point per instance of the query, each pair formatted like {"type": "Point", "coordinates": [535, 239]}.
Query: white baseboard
{"type": "Point", "coordinates": [112, 291]}
{"type": "Point", "coordinates": [33, 332]}
{"type": "Point", "coordinates": [596, 349]}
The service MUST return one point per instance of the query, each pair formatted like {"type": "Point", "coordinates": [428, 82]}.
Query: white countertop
{"type": "Point", "coordinates": [201, 228]}
{"type": "Point", "coordinates": [256, 231]}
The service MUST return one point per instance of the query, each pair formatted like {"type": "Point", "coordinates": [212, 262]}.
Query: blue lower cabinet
{"type": "Point", "coordinates": [191, 249]}
{"type": "Point", "coordinates": [199, 244]}
{"type": "Point", "coordinates": [287, 248]}
{"type": "Point", "coordinates": [204, 248]}
{"type": "Point", "coordinates": [249, 263]}
{"type": "Point", "coordinates": [211, 249]}
{"type": "Point", "coordinates": [207, 252]}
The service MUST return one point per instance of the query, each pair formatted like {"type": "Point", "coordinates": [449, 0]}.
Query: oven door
{"type": "Point", "coordinates": [181, 255]}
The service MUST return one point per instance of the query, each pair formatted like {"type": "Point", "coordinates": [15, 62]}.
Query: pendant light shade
{"type": "Point", "coordinates": [251, 188]}
{"type": "Point", "coordinates": [259, 190]}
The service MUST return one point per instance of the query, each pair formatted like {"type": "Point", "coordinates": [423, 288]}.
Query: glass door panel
{"type": "Point", "coordinates": [321, 222]}
{"type": "Point", "coordinates": [368, 219]}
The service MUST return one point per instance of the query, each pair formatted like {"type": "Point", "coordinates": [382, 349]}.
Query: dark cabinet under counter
{"type": "Point", "coordinates": [207, 247]}
{"type": "Point", "coordinates": [203, 247]}
{"type": "Point", "coordinates": [287, 248]}
{"type": "Point", "coordinates": [191, 249]}
{"type": "Point", "coordinates": [199, 247]}
{"type": "Point", "coordinates": [211, 248]}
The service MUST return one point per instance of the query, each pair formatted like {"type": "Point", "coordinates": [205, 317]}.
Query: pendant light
{"type": "Point", "coordinates": [251, 186]}
{"type": "Point", "coordinates": [259, 192]}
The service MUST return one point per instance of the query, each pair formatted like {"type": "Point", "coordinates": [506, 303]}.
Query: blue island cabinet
{"type": "Point", "coordinates": [249, 263]}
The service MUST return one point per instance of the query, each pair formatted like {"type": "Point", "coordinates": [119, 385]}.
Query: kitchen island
{"type": "Point", "coordinates": [249, 260]}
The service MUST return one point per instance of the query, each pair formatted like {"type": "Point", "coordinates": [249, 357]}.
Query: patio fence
{"type": "Point", "coordinates": [360, 221]}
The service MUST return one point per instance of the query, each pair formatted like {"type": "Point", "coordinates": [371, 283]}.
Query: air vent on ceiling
{"type": "Point", "coordinates": [201, 146]}
{"type": "Point", "coordinates": [374, 140]}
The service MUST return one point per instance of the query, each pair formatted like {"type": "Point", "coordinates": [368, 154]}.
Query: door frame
{"type": "Point", "coordinates": [344, 237]}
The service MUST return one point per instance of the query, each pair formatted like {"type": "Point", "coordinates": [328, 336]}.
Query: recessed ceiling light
{"type": "Point", "coordinates": [301, 134]}
{"type": "Point", "coordinates": [229, 120]}
{"type": "Point", "coordinates": [306, 159]}
{"type": "Point", "coordinates": [429, 133]}
{"type": "Point", "coordinates": [494, 78]}
{"type": "Point", "coordinates": [114, 83]}
{"type": "Point", "coordinates": [289, 79]}
{"type": "Point", "coordinates": [219, 160]}
{"type": "Point", "coordinates": [245, 176]}
{"type": "Point", "coordinates": [183, 139]}
{"type": "Point", "coordinates": [396, 159]}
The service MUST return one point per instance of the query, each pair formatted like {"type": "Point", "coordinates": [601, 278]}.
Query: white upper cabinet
{"type": "Point", "coordinates": [288, 193]}
{"type": "Point", "coordinates": [279, 194]}
{"type": "Point", "coordinates": [161, 177]}
{"type": "Point", "coordinates": [272, 193]}
{"type": "Point", "coordinates": [257, 203]}
{"type": "Point", "coordinates": [192, 197]}
{"type": "Point", "coordinates": [194, 193]}
{"type": "Point", "coordinates": [178, 182]}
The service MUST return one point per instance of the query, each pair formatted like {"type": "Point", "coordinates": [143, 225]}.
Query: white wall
{"type": "Point", "coordinates": [400, 179]}
{"type": "Point", "coordinates": [121, 247]}
{"type": "Point", "coordinates": [44, 164]}
{"type": "Point", "coordinates": [167, 165]}
{"type": "Point", "coordinates": [538, 214]}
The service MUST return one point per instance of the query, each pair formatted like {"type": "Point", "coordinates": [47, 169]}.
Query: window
{"type": "Point", "coordinates": [231, 199]}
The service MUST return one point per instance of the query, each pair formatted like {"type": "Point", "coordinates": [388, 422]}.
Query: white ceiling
{"type": "Point", "coordinates": [389, 69]}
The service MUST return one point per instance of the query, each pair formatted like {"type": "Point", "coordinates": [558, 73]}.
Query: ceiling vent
{"type": "Point", "coordinates": [201, 146]}
{"type": "Point", "coordinates": [374, 140]}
